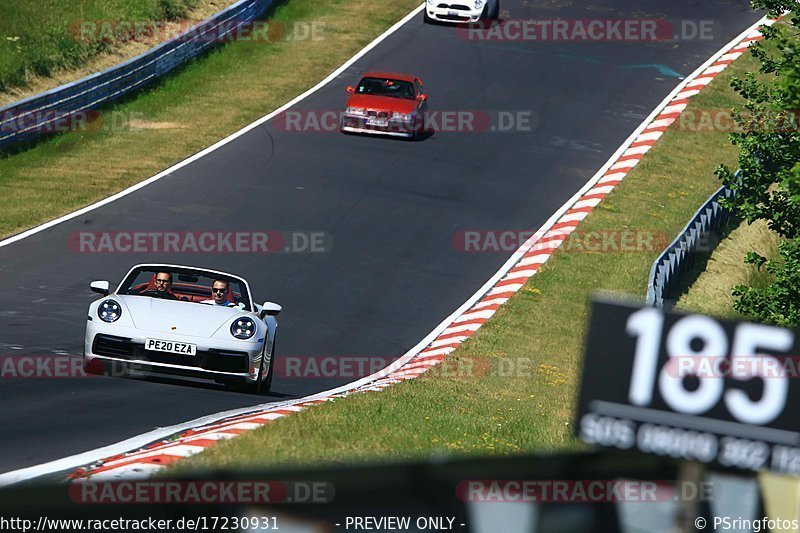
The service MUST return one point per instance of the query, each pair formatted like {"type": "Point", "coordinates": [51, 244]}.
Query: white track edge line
{"type": "Point", "coordinates": [90, 456]}
{"type": "Point", "coordinates": [133, 188]}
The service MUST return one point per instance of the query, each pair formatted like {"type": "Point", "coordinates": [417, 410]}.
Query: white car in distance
{"type": "Point", "coordinates": [461, 11]}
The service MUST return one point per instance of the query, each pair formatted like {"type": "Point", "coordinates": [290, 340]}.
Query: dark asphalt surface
{"type": "Point", "coordinates": [389, 207]}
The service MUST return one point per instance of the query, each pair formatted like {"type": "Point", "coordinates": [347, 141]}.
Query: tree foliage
{"type": "Point", "coordinates": [768, 182]}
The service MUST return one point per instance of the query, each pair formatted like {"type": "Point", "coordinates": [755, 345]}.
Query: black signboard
{"type": "Point", "coordinates": [691, 387]}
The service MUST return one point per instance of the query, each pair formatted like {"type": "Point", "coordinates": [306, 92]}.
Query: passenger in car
{"type": "Point", "coordinates": [219, 294]}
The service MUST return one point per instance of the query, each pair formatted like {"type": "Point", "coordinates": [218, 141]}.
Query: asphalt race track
{"type": "Point", "coordinates": [390, 209]}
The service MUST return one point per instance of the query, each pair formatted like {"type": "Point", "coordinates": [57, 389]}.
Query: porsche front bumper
{"type": "Point", "coordinates": [124, 348]}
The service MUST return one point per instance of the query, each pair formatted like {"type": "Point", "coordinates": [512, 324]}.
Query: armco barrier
{"type": "Point", "coordinates": [668, 270]}
{"type": "Point", "coordinates": [34, 116]}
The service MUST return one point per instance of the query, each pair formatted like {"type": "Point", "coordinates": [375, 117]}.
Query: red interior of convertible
{"type": "Point", "coordinates": [187, 292]}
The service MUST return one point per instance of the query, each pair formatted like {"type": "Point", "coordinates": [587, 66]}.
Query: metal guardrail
{"type": "Point", "coordinates": [43, 113]}
{"type": "Point", "coordinates": [679, 257]}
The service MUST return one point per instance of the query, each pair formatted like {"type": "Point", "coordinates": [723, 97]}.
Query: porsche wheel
{"type": "Point", "coordinates": [262, 384]}
{"type": "Point", "coordinates": [496, 11]}
{"type": "Point", "coordinates": [266, 383]}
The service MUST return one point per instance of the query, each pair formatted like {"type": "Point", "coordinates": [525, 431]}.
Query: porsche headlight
{"type": "Point", "coordinates": [243, 328]}
{"type": "Point", "coordinates": [478, 4]}
{"type": "Point", "coordinates": [109, 311]}
{"type": "Point", "coordinates": [360, 111]}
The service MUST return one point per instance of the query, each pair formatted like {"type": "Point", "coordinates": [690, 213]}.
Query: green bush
{"type": "Point", "coordinates": [769, 159]}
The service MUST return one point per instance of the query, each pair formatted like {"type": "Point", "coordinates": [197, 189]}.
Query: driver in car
{"type": "Point", "coordinates": [219, 293]}
{"type": "Point", "coordinates": [163, 283]}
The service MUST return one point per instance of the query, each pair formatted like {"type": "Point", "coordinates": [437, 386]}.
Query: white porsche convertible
{"type": "Point", "coordinates": [185, 321]}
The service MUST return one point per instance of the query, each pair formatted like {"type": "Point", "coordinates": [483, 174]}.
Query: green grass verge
{"type": "Point", "coordinates": [538, 333]}
{"type": "Point", "coordinates": [41, 36]}
{"type": "Point", "coordinates": [530, 350]}
{"type": "Point", "coordinates": [187, 111]}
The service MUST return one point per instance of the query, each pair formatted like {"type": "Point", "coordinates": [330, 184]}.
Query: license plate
{"type": "Point", "coordinates": [453, 13]}
{"type": "Point", "coordinates": [183, 348]}
{"type": "Point", "coordinates": [377, 122]}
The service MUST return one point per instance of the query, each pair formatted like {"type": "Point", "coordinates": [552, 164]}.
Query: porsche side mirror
{"type": "Point", "coordinates": [422, 97]}
{"type": "Point", "coordinates": [350, 89]}
{"type": "Point", "coordinates": [100, 287]}
{"type": "Point", "coordinates": [270, 308]}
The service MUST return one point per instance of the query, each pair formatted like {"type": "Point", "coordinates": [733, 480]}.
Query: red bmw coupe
{"type": "Point", "coordinates": [385, 103]}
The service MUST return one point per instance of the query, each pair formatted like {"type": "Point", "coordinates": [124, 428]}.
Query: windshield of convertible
{"type": "Point", "coordinates": [186, 285]}
{"type": "Point", "coordinates": [384, 87]}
